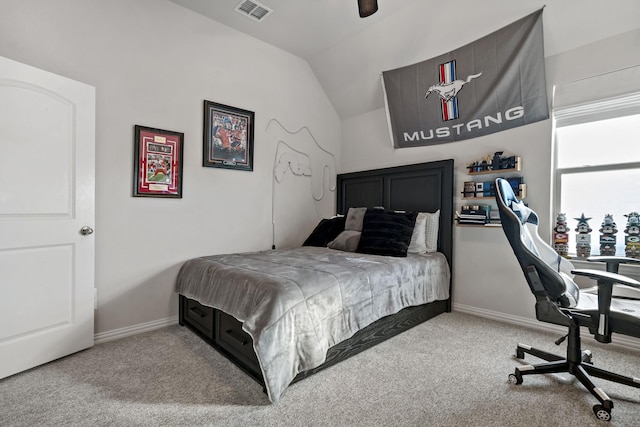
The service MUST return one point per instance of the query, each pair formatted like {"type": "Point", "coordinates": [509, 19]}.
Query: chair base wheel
{"type": "Point", "coordinates": [515, 378]}
{"type": "Point", "coordinates": [602, 413]}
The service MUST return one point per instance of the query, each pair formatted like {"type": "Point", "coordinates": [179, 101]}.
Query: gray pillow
{"type": "Point", "coordinates": [355, 217]}
{"type": "Point", "coordinates": [347, 241]}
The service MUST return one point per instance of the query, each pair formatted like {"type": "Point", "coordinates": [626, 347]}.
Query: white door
{"type": "Point", "coordinates": [47, 145]}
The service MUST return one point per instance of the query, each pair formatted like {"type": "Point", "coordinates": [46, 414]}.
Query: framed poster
{"type": "Point", "coordinates": [227, 137]}
{"type": "Point", "coordinates": [157, 162]}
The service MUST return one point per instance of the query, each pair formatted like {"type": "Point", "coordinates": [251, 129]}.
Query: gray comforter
{"type": "Point", "coordinates": [297, 303]}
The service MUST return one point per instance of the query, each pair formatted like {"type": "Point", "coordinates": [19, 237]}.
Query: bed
{"type": "Point", "coordinates": [283, 315]}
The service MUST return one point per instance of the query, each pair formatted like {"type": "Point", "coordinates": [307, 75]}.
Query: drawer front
{"type": "Point", "coordinates": [199, 316]}
{"type": "Point", "coordinates": [231, 337]}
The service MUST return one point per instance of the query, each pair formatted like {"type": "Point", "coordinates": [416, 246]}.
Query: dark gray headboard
{"type": "Point", "coordinates": [424, 187]}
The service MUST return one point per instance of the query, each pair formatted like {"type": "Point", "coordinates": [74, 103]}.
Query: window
{"type": "Point", "coordinates": [597, 165]}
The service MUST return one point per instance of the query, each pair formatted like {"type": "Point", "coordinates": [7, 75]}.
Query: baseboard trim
{"type": "Point", "coordinates": [620, 340]}
{"type": "Point", "coordinates": [625, 342]}
{"type": "Point", "coordinates": [134, 330]}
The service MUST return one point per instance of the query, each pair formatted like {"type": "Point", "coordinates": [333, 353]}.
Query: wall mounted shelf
{"type": "Point", "coordinates": [484, 189]}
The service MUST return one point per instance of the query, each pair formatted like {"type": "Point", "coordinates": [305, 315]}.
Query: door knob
{"type": "Point", "coordinates": [85, 231]}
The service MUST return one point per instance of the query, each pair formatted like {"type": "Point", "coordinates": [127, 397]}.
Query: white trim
{"type": "Point", "coordinates": [626, 342]}
{"type": "Point", "coordinates": [625, 105]}
{"type": "Point", "coordinates": [115, 334]}
{"type": "Point", "coordinates": [387, 113]}
{"type": "Point", "coordinates": [621, 340]}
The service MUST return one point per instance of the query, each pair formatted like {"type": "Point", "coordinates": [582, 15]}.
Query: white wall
{"type": "Point", "coordinates": [486, 274]}
{"type": "Point", "coordinates": [153, 63]}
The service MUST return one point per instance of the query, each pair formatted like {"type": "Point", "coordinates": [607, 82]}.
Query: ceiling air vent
{"type": "Point", "coordinates": [253, 10]}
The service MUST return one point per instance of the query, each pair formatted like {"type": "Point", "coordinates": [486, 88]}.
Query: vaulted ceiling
{"type": "Point", "coordinates": [348, 53]}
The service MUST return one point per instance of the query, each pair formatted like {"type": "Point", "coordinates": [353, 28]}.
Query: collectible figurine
{"type": "Point", "coordinates": [480, 166]}
{"type": "Point", "coordinates": [632, 238]}
{"type": "Point", "coordinates": [499, 162]}
{"type": "Point", "coordinates": [608, 229]}
{"type": "Point", "coordinates": [583, 238]}
{"type": "Point", "coordinates": [474, 167]}
{"type": "Point", "coordinates": [495, 162]}
{"type": "Point", "coordinates": [561, 236]}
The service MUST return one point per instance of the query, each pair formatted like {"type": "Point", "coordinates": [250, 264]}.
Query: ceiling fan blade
{"type": "Point", "coordinates": [367, 7]}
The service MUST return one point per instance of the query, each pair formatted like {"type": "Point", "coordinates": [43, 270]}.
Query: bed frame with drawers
{"type": "Point", "coordinates": [423, 187]}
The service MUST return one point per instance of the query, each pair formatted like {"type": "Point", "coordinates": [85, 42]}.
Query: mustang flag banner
{"type": "Point", "coordinates": [495, 83]}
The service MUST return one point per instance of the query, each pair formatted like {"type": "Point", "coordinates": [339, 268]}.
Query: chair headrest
{"type": "Point", "coordinates": [506, 197]}
{"type": "Point", "coordinates": [521, 210]}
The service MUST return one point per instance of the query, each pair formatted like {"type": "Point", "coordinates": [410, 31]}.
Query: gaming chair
{"type": "Point", "coordinates": [561, 302]}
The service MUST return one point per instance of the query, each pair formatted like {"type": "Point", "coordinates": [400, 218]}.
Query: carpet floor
{"type": "Point", "coordinates": [449, 371]}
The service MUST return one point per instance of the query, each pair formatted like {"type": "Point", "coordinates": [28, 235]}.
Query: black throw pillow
{"type": "Point", "coordinates": [326, 231]}
{"type": "Point", "coordinates": [386, 232]}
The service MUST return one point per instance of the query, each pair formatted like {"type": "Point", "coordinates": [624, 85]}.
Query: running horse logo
{"type": "Point", "coordinates": [448, 89]}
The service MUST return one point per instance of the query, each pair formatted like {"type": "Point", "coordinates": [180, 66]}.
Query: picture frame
{"type": "Point", "coordinates": [227, 137]}
{"type": "Point", "coordinates": [157, 162]}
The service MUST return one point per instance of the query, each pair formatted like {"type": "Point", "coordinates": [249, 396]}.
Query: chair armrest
{"type": "Point", "coordinates": [613, 262]}
{"type": "Point", "coordinates": [606, 280]}
{"type": "Point", "coordinates": [607, 277]}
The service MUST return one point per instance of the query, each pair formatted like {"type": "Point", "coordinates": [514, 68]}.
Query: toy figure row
{"type": "Point", "coordinates": [497, 162]}
{"type": "Point", "coordinates": [607, 236]}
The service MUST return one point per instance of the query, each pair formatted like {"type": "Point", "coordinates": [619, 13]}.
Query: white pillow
{"type": "Point", "coordinates": [425, 233]}
{"type": "Point", "coordinates": [432, 226]}
{"type": "Point", "coordinates": [417, 244]}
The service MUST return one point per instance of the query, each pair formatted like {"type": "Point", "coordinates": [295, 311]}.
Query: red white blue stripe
{"type": "Point", "coordinates": [448, 75]}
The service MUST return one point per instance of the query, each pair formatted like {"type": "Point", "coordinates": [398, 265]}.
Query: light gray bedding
{"type": "Point", "coordinates": [297, 303]}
